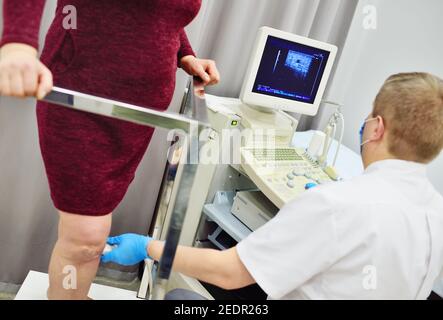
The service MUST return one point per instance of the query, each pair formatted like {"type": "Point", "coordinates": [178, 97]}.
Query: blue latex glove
{"type": "Point", "coordinates": [131, 249]}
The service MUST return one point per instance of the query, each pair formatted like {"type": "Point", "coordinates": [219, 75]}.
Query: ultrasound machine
{"type": "Point", "coordinates": [249, 167]}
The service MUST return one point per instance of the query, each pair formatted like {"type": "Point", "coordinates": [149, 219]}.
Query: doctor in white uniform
{"type": "Point", "coordinates": [378, 236]}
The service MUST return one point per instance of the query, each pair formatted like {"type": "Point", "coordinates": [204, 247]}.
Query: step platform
{"type": "Point", "coordinates": [36, 283]}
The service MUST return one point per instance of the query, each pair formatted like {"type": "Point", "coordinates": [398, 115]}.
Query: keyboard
{"type": "Point", "coordinates": [282, 174]}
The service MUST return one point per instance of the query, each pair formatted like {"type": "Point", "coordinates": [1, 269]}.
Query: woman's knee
{"type": "Point", "coordinates": [83, 238]}
{"type": "Point", "coordinates": [82, 253]}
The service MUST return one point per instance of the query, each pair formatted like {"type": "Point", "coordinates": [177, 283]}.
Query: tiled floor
{"type": "Point", "coordinates": [7, 296]}
{"type": "Point", "coordinates": [8, 291]}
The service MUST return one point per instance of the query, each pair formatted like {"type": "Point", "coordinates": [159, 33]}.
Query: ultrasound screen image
{"type": "Point", "coordinates": [299, 63]}
{"type": "Point", "coordinates": [290, 70]}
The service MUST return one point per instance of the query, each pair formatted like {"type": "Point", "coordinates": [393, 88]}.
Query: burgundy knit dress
{"type": "Point", "coordinates": [126, 50]}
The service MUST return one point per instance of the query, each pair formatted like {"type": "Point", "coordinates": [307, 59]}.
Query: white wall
{"type": "Point", "coordinates": [408, 38]}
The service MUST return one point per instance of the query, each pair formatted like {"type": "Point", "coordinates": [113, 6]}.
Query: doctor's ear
{"type": "Point", "coordinates": [378, 132]}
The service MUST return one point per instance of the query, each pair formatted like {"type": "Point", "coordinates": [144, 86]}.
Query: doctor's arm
{"type": "Point", "coordinates": [221, 268]}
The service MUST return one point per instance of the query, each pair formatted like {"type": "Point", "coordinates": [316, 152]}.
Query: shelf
{"type": "Point", "coordinates": [220, 212]}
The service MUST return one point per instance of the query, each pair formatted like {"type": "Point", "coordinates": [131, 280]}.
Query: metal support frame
{"type": "Point", "coordinates": [188, 125]}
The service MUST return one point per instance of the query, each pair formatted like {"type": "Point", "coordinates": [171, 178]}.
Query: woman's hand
{"type": "Point", "coordinates": [21, 72]}
{"type": "Point", "coordinates": [206, 70]}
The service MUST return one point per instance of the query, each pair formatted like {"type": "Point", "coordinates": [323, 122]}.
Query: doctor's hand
{"type": "Point", "coordinates": [130, 249]}
{"type": "Point", "coordinates": [202, 68]}
{"type": "Point", "coordinates": [21, 72]}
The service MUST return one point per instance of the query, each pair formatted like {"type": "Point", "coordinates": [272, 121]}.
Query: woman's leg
{"type": "Point", "coordinates": [90, 161]}
{"type": "Point", "coordinates": [76, 255]}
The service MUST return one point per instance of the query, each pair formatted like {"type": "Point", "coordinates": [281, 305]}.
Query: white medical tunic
{"type": "Point", "coordinates": [377, 236]}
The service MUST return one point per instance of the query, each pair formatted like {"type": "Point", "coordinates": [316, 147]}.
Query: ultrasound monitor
{"type": "Point", "coordinates": [287, 72]}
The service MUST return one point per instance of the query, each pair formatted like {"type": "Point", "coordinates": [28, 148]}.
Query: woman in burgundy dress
{"type": "Point", "coordinates": [125, 50]}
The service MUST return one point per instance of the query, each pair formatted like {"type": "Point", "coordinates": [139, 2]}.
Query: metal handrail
{"type": "Point", "coordinates": [131, 113]}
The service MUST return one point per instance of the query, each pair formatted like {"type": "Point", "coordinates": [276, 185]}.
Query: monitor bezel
{"type": "Point", "coordinates": [247, 96]}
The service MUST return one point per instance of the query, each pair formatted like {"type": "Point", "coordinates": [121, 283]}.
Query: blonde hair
{"type": "Point", "coordinates": [411, 105]}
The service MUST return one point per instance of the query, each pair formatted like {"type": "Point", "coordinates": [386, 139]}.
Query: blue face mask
{"type": "Point", "coordinates": [362, 130]}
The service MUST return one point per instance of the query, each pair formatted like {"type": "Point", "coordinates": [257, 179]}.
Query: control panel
{"type": "Point", "coordinates": [282, 174]}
